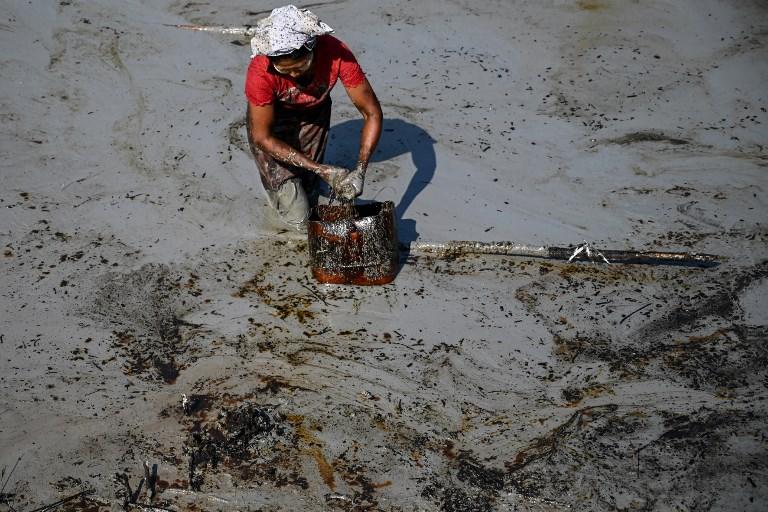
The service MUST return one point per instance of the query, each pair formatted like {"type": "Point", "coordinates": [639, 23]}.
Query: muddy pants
{"type": "Point", "coordinates": [292, 191]}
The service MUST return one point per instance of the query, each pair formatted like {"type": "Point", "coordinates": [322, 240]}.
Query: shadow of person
{"type": "Point", "coordinates": [398, 137]}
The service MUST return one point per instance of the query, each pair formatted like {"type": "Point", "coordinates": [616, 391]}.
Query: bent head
{"type": "Point", "coordinates": [295, 64]}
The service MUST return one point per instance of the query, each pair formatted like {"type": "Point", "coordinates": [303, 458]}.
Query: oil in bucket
{"type": "Point", "coordinates": [353, 244]}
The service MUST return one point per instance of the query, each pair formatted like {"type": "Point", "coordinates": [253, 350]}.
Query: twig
{"type": "Point", "coordinates": [82, 202]}
{"type": "Point", "coordinates": [78, 180]}
{"type": "Point", "coordinates": [123, 478]}
{"type": "Point", "coordinates": [136, 494]}
{"type": "Point", "coordinates": [635, 311]}
{"type": "Point", "coordinates": [318, 296]}
{"type": "Point", "coordinates": [61, 502]}
{"type": "Point", "coordinates": [146, 473]}
{"type": "Point", "coordinates": [11, 473]}
{"type": "Point", "coordinates": [637, 453]}
{"type": "Point", "coordinates": [153, 481]}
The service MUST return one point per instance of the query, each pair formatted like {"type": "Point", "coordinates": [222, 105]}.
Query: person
{"type": "Point", "coordinates": [294, 66]}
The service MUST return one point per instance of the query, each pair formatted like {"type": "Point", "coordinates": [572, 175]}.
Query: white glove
{"type": "Point", "coordinates": [352, 184]}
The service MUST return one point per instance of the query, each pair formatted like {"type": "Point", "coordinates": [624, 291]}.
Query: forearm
{"type": "Point", "coordinates": [286, 154]}
{"type": "Point", "coordinates": [369, 138]}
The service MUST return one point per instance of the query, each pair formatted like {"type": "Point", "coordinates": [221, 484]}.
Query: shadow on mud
{"type": "Point", "coordinates": [399, 137]}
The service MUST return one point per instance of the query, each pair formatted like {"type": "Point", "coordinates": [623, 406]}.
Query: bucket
{"type": "Point", "coordinates": [353, 244]}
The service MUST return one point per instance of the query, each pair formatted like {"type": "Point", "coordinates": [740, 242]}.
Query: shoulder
{"type": "Point", "coordinates": [333, 46]}
{"type": "Point", "coordinates": [260, 83]}
{"type": "Point", "coordinates": [259, 66]}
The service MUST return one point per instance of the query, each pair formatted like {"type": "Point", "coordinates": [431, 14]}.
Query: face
{"type": "Point", "coordinates": [294, 68]}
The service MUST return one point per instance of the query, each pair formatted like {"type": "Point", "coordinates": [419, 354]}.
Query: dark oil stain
{"type": "Point", "coordinates": [574, 395]}
{"type": "Point", "coordinates": [354, 475]}
{"type": "Point", "coordinates": [198, 405]}
{"type": "Point", "coordinates": [168, 370]}
{"type": "Point", "coordinates": [284, 304]}
{"type": "Point", "coordinates": [475, 474]}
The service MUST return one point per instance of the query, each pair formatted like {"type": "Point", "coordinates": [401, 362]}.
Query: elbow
{"type": "Point", "coordinates": [261, 143]}
{"type": "Point", "coordinates": [258, 141]}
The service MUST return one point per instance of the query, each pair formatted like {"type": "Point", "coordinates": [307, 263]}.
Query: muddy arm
{"type": "Point", "coordinates": [260, 120]}
{"type": "Point", "coordinates": [367, 103]}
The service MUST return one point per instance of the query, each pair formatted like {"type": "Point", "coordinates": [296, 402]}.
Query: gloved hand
{"type": "Point", "coordinates": [333, 175]}
{"type": "Point", "coordinates": [352, 184]}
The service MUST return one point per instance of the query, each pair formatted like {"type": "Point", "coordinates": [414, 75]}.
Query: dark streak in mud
{"type": "Point", "coordinates": [721, 303]}
{"type": "Point", "coordinates": [647, 136]}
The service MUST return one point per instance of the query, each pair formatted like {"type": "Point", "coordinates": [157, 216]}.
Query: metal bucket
{"type": "Point", "coordinates": [353, 244]}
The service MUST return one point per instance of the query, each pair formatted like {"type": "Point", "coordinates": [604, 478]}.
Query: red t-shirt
{"type": "Point", "coordinates": [332, 61]}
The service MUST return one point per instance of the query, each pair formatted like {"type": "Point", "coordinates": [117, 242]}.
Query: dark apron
{"type": "Point", "coordinates": [305, 130]}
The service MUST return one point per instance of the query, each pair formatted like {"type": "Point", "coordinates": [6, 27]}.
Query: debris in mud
{"type": "Point", "coordinates": [455, 499]}
{"type": "Point", "coordinates": [547, 445]}
{"type": "Point", "coordinates": [248, 441]}
{"type": "Point", "coordinates": [597, 443]}
{"type": "Point", "coordinates": [146, 306]}
{"type": "Point", "coordinates": [693, 333]}
{"type": "Point", "coordinates": [475, 474]}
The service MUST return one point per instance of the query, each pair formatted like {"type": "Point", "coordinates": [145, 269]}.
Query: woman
{"type": "Point", "coordinates": [295, 64]}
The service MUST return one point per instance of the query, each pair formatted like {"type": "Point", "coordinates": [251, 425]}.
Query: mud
{"type": "Point", "coordinates": [145, 309]}
{"type": "Point", "coordinates": [164, 347]}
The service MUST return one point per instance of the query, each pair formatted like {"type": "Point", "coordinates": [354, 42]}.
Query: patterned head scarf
{"type": "Point", "coordinates": [285, 30]}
